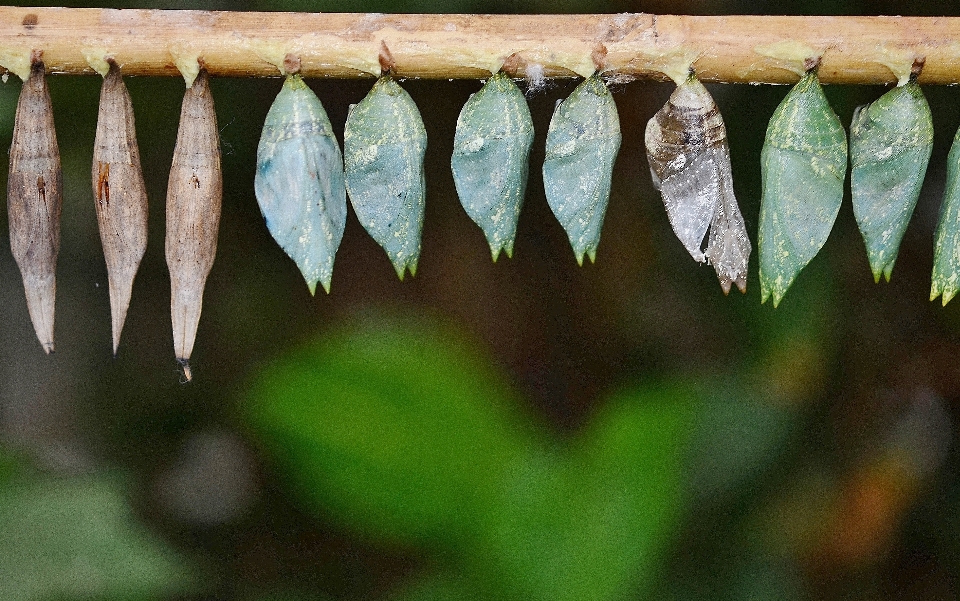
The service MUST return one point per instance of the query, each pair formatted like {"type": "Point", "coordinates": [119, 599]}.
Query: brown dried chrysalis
{"type": "Point", "coordinates": [121, 197]}
{"type": "Point", "coordinates": [34, 200]}
{"type": "Point", "coordinates": [690, 163]}
{"type": "Point", "coordinates": [194, 196]}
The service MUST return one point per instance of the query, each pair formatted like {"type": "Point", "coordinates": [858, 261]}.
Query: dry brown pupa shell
{"type": "Point", "coordinates": [121, 197]}
{"type": "Point", "coordinates": [690, 163]}
{"type": "Point", "coordinates": [34, 200]}
{"type": "Point", "coordinates": [194, 197]}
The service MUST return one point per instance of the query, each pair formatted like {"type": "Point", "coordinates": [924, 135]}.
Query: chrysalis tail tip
{"type": "Point", "coordinates": [47, 347]}
{"type": "Point", "coordinates": [185, 367]}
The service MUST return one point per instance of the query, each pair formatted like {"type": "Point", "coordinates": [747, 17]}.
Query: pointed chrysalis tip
{"type": "Point", "coordinates": [185, 367]}
{"type": "Point", "coordinates": [48, 347]}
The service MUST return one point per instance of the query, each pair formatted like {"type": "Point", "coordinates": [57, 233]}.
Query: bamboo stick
{"type": "Point", "coordinates": [251, 44]}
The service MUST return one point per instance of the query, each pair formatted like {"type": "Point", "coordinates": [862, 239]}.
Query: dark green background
{"type": "Point", "coordinates": [527, 429]}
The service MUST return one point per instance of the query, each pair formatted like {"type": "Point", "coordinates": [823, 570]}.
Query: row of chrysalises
{"type": "Point", "coordinates": [302, 182]}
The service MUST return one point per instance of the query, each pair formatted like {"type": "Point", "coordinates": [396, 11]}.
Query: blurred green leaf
{"type": "Point", "coordinates": [593, 524]}
{"type": "Point", "coordinates": [401, 431]}
{"type": "Point", "coordinates": [398, 429]}
{"type": "Point", "coordinates": [77, 539]}
{"type": "Point", "coordinates": [441, 587]}
{"type": "Point", "coordinates": [736, 436]}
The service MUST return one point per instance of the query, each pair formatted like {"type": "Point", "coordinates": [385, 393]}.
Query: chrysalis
{"type": "Point", "coordinates": [299, 181]}
{"type": "Point", "coordinates": [34, 200]}
{"type": "Point", "coordinates": [690, 164]}
{"type": "Point", "coordinates": [120, 194]}
{"type": "Point", "coordinates": [384, 142]}
{"type": "Point", "coordinates": [803, 165]}
{"type": "Point", "coordinates": [890, 144]}
{"type": "Point", "coordinates": [582, 144]}
{"type": "Point", "coordinates": [946, 257]}
{"type": "Point", "coordinates": [194, 196]}
{"type": "Point", "coordinates": [491, 152]}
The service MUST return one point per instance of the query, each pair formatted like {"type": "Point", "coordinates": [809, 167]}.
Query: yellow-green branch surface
{"type": "Point", "coordinates": [757, 49]}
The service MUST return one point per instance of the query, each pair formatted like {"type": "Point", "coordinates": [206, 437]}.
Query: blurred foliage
{"type": "Point", "coordinates": [77, 539]}
{"type": "Point", "coordinates": [404, 433]}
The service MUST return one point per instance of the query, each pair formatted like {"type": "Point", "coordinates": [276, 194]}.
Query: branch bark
{"type": "Point", "coordinates": [732, 49]}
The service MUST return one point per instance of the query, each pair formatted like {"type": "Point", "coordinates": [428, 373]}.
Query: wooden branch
{"type": "Point", "coordinates": [759, 49]}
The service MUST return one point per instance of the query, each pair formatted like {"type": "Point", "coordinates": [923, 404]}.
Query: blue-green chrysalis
{"type": "Point", "coordinates": [491, 152]}
{"type": "Point", "coordinates": [299, 181]}
{"type": "Point", "coordinates": [582, 145]}
{"type": "Point", "coordinates": [384, 142]}
{"type": "Point", "coordinates": [946, 250]}
{"type": "Point", "coordinates": [890, 144]}
{"type": "Point", "coordinates": [802, 165]}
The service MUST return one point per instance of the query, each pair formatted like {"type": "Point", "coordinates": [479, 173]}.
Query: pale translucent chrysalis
{"type": "Point", "coordinates": [946, 249]}
{"type": "Point", "coordinates": [194, 199]}
{"type": "Point", "coordinates": [299, 181]}
{"type": "Point", "coordinates": [690, 164]}
{"type": "Point", "coordinates": [803, 165]}
{"type": "Point", "coordinates": [120, 195]}
{"type": "Point", "coordinates": [890, 144]}
{"type": "Point", "coordinates": [582, 145]}
{"type": "Point", "coordinates": [34, 200]}
{"type": "Point", "coordinates": [491, 152]}
{"type": "Point", "coordinates": [384, 142]}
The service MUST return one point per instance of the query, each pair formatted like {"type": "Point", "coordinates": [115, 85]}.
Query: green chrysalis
{"type": "Point", "coordinates": [803, 164]}
{"type": "Point", "coordinates": [491, 152]}
{"type": "Point", "coordinates": [689, 161]}
{"type": "Point", "coordinates": [299, 181]}
{"type": "Point", "coordinates": [582, 144]}
{"type": "Point", "coordinates": [946, 250]}
{"type": "Point", "coordinates": [890, 144]}
{"type": "Point", "coordinates": [384, 142]}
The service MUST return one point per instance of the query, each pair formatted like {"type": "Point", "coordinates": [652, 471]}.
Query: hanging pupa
{"type": "Point", "coordinates": [120, 195]}
{"type": "Point", "coordinates": [946, 249]}
{"type": "Point", "coordinates": [384, 142]}
{"type": "Point", "coordinates": [299, 181]}
{"type": "Point", "coordinates": [890, 144]}
{"type": "Point", "coordinates": [582, 144]}
{"type": "Point", "coordinates": [194, 198]}
{"type": "Point", "coordinates": [803, 164]}
{"type": "Point", "coordinates": [34, 200]}
{"type": "Point", "coordinates": [491, 159]}
{"type": "Point", "coordinates": [690, 164]}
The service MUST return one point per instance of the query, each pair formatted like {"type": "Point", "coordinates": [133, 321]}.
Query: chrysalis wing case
{"type": "Point", "coordinates": [194, 198]}
{"type": "Point", "coordinates": [582, 145]}
{"type": "Point", "coordinates": [890, 144]}
{"type": "Point", "coordinates": [803, 165]}
{"type": "Point", "coordinates": [34, 200]}
{"type": "Point", "coordinates": [384, 142]}
{"type": "Point", "coordinates": [946, 257]}
{"type": "Point", "coordinates": [120, 195]}
{"type": "Point", "coordinates": [491, 158]}
{"type": "Point", "coordinates": [299, 181]}
{"type": "Point", "coordinates": [690, 163]}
